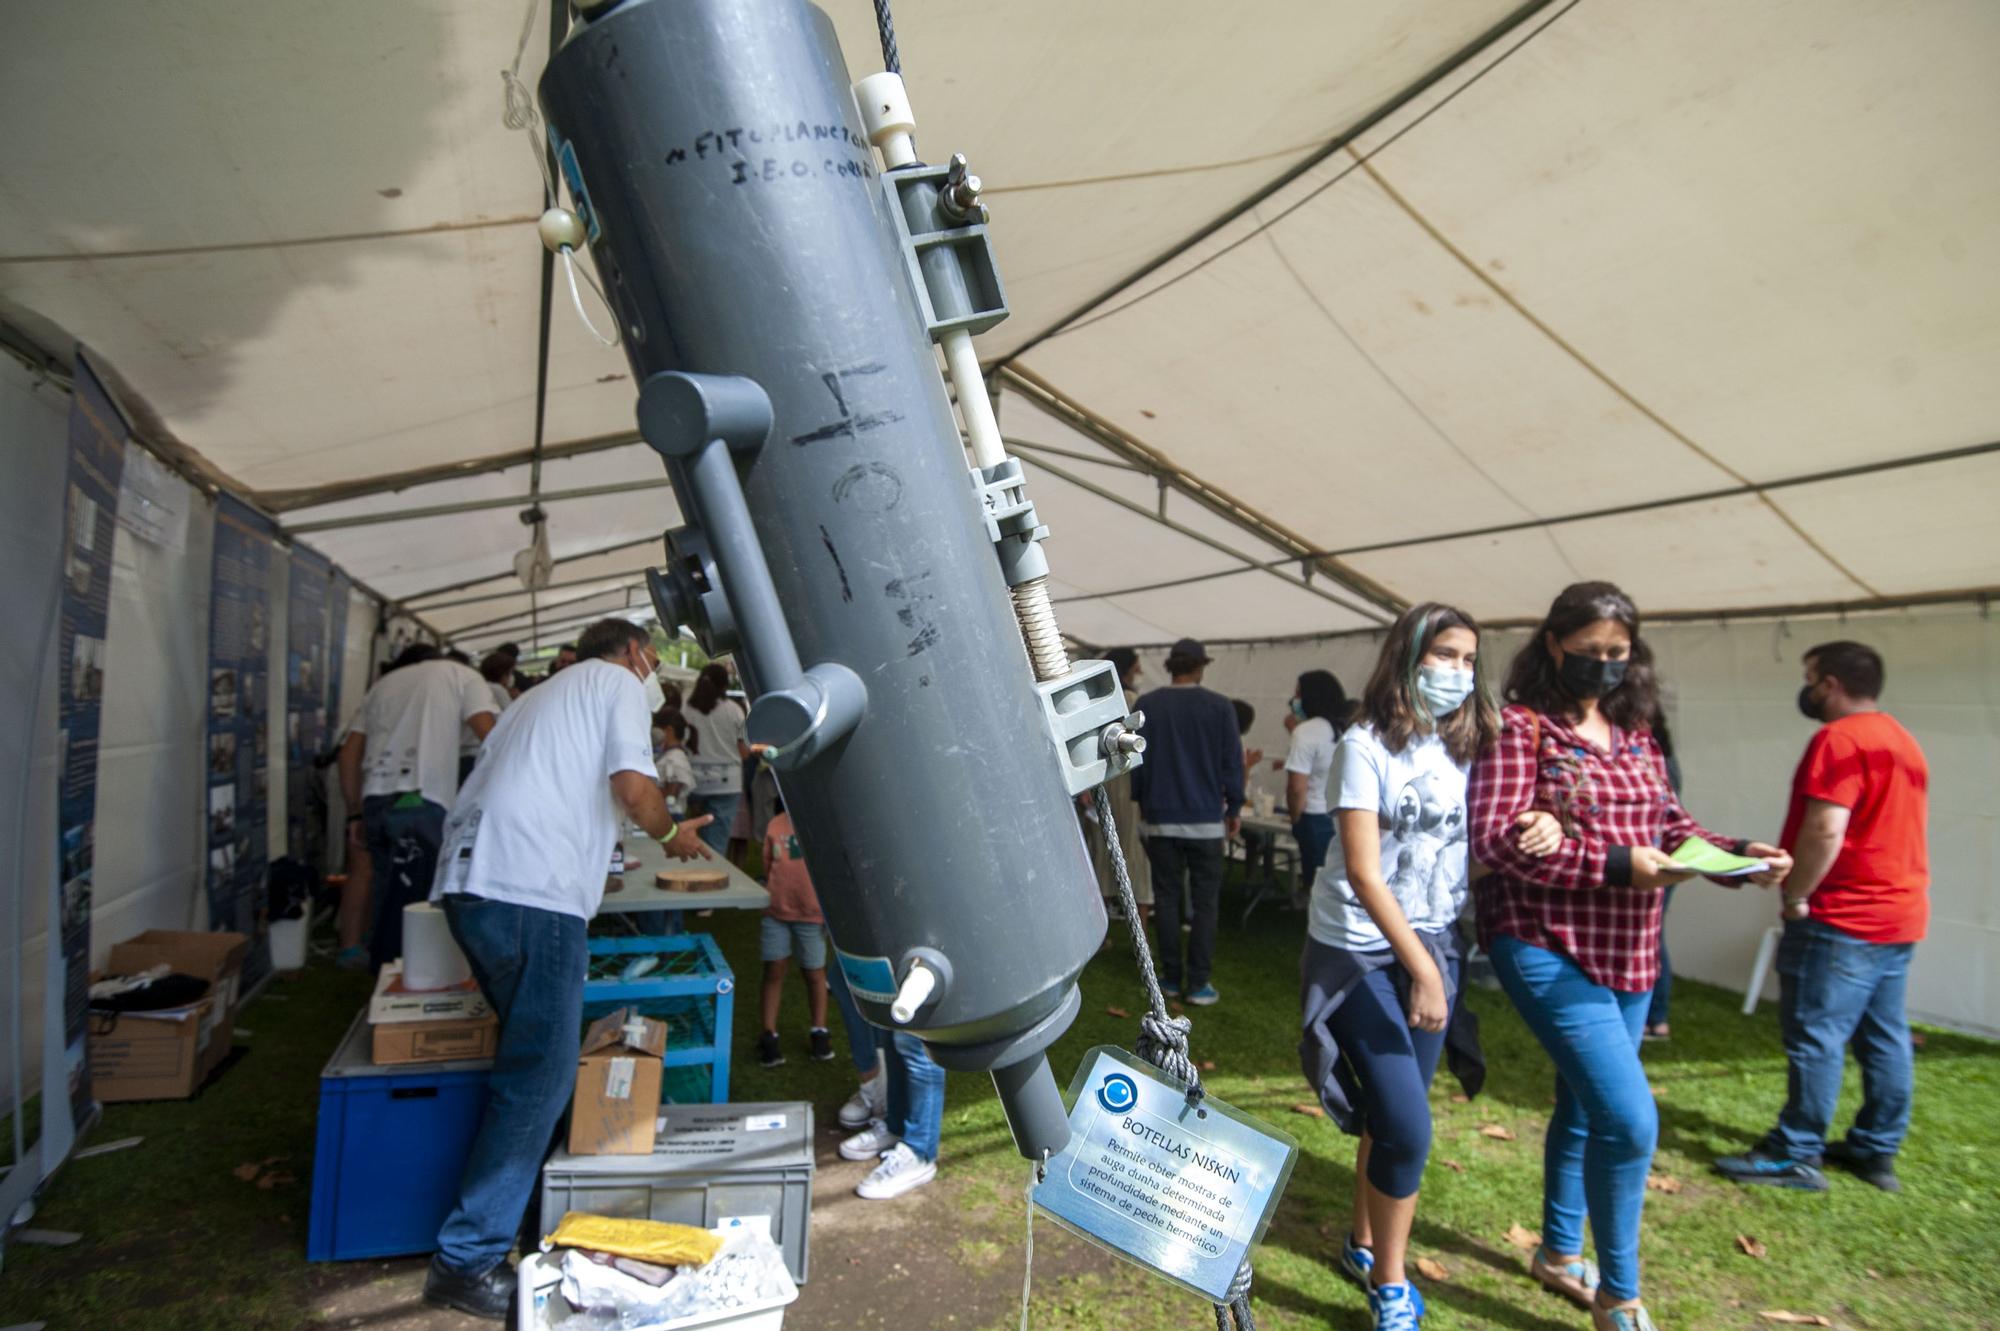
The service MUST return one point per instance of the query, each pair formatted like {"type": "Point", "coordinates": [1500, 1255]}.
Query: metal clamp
{"type": "Point", "coordinates": [1085, 713]}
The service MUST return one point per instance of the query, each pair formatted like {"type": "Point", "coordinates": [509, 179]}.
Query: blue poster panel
{"type": "Point", "coordinates": [239, 759]}
{"type": "Point", "coordinates": [96, 461]}
{"type": "Point", "coordinates": [337, 596]}
{"type": "Point", "coordinates": [305, 704]}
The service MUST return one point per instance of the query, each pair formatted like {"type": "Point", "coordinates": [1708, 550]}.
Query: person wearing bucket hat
{"type": "Point", "coordinates": [1189, 791]}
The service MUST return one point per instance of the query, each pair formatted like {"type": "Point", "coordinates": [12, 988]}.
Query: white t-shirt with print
{"type": "Point", "coordinates": [536, 821]}
{"type": "Point", "coordinates": [718, 768]}
{"type": "Point", "coordinates": [1419, 796]}
{"type": "Point", "coordinates": [676, 769]}
{"type": "Point", "coordinates": [1311, 756]}
{"type": "Point", "coordinates": [413, 718]}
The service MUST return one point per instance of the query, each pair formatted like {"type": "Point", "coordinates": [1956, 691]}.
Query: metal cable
{"type": "Point", "coordinates": [885, 25]}
{"type": "Point", "coordinates": [1163, 1042]}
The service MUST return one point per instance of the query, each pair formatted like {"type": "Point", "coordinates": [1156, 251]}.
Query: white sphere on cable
{"type": "Point", "coordinates": [561, 230]}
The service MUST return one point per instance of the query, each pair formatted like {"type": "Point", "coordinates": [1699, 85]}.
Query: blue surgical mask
{"type": "Point", "coordinates": [1443, 688]}
{"type": "Point", "coordinates": [1298, 709]}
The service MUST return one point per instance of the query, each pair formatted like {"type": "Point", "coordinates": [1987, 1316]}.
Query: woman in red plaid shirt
{"type": "Point", "coordinates": [1574, 936]}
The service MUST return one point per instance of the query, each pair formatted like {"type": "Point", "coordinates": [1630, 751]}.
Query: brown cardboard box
{"type": "Point", "coordinates": [151, 1055]}
{"type": "Point", "coordinates": [617, 1087]}
{"type": "Point", "coordinates": [215, 957]}
{"type": "Point", "coordinates": [392, 1002]}
{"type": "Point", "coordinates": [435, 1041]}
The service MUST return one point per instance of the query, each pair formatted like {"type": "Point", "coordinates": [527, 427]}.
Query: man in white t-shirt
{"type": "Point", "coordinates": [526, 851]}
{"type": "Point", "coordinates": [399, 775]}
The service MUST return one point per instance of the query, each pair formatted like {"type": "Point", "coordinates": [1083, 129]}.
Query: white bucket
{"type": "Point", "coordinates": [288, 944]}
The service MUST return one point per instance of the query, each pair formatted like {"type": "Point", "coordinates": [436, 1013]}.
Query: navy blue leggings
{"type": "Point", "coordinates": [1394, 1062]}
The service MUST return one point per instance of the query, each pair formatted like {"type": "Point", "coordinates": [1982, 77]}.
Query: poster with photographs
{"type": "Point", "coordinates": [305, 703]}
{"type": "Point", "coordinates": [97, 436]}
{"type": "Point", "coordinates": [237, 774]}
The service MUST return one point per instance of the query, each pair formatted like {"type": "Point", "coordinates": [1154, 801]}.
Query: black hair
{"type": "Point", "coordinates": [1246, 715]}
{"type": "Point", "coordinates": [415, 654]}
{"type": "Point", "coordinates": [456, 655]}
{"type": "Point", "coordinates": [496, 666]}
{"type": "Point", "coordinates": [709, 687]}
{"type": "Point", "coordinates": [1321, 697]}
{"type": "Point", "coordinates": [670, 718]}
{"type": "Point", "coordinates": [1856, 665]}
{"type": "Point", "coordinates": [1534, 680]}
{"type": "Point", "coordinates": [1122, 660]}
{"type": "Point", "coordinates": [512, 649]}
{"type": "Point", "coordinates": [1183, 665]}
{"type": "Point", "coordinates": [607, 637]}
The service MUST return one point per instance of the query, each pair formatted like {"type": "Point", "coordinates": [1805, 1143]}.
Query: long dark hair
{"type": "Point", "coordinates": [1534, 680]}
{"type": "Point", "coordinates": [1390, 704]}
{"type": "Point", "coordinates": [709, 688]}
{"type": "Point", "coordinates": [1321, 698]}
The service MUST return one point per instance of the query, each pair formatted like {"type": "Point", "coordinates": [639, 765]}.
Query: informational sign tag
{"type": "Point", "coordinates": [1183, 1190]}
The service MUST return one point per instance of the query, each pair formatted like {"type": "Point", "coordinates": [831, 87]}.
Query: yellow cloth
{"type": "Point", "coordinates": [653, 1241]}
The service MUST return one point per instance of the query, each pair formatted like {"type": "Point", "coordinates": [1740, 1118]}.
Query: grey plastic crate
{"type": "Point", "coordinates": [710, 1164]}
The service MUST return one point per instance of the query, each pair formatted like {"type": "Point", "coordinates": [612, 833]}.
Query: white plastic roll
{"type": "Point", "coordinates": [431, 959]}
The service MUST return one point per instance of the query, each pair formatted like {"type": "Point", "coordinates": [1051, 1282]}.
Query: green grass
{"type": "Point", "coordinates": [174, 1239]}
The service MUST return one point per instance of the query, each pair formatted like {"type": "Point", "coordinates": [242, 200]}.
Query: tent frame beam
{"type": "Point", "coordinates": [476, 506]}
{"type": "Point", "coordinates": [312, 496]}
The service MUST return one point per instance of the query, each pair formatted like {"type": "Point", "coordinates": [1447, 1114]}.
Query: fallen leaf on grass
{"type": "Point", "coordinates": [273, 1179]}
{"type": "Point", "coordinates": [1461, 1099]}
{"type": "Point", "coordinates": [1208, 1065]}
{"type": "Point", "coordinates": [1310, 1111]}
{"type": "Point", "coordinates": [1793, 1319]}
{"type": "Point", "coordinates": [1873, 1274]}
{"type": "Point", "coordinates": [1116, 1012]}
{"type": "Point", "coordinates": [1453, 1166]}
{"type": "Point", "coordinates": [1664, 1183]}
{"type": "Point", "coordinates": [1432, 1270]}
{"type": "Point", "coordinates": [1750, 1247]}
{"type": "Point", "coordinates": [1496, 1132]}
{"type": "Point", "coordinates": [1524, 1239]}
{"type": "Point", "coordinates": [246, 1172]}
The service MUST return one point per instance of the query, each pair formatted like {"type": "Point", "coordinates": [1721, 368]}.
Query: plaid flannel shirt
{"type": "Point", "coordinates": [1577, 901]}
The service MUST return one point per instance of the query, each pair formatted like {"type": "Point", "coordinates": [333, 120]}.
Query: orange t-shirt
{"type": "Point", "coordinates": [792, 897]}
{"type": "Point", "coordinates": [1878, 887]}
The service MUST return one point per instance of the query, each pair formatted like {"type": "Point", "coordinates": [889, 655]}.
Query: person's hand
{"type": "Point", "coordinates": [357, 834]}
{"type": "Point", "coordinates": [1291, 723]}
{"type": "Point", "coordinates": [686, 843]}
{"type": "Point", "coordinates": [1780, 862]}
{"type": "Point", "coordinates": [1653, 868]}
{"type": "Point", "coordinates": [1252, 758]}
{"type": "Point", "coordinates": [1232, 827]}
{"type": "Point", "coordinates": [1796, 908]}
{"type": "Point", "coordinates": [1277, 764]}
{"type": "Point", "coordinates": [1540, 834]}
{"type": "Point", "coordinates": [1428, 1009]}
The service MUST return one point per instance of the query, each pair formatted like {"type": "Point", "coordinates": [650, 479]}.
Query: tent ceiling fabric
{"type": "Point", "coordinates": [1656, 250]}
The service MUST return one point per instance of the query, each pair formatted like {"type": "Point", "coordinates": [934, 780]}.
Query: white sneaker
{"type": "Point", "coordinates": [870, 1100]}
{"type": "Point", "coordinates": [900, 1171]}
{"type": "Point", "coordinates": [870, 1142]}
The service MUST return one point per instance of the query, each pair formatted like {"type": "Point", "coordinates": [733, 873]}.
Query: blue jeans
{"type": "Point", "coordinates": [865, 1043]}
{"type": "Point", "coordinates": [530, 964]}
{"type": "Point", "coordinates": [1314, 833]}
{"type": "Point", "coordinates": [1663, 988]}
{"type": "Point", "coordinates": [916, 1094]}
{"type": "Point", "coordinates": [1394, 1063]}
{"type": "Point", "coordinates": [404, 835]}
{"type": "Point", "coordinates": [1835, 989]}
{"type": "Point", "coordinates": [716, 835]}
{"type": "Point", "coordinates": [1605, 1125]}
{"type": "Point", "coordinates": [1196, 864]}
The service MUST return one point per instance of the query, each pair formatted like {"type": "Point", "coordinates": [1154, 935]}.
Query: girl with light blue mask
{"type": "Point", "coordinates": [1382, 957]}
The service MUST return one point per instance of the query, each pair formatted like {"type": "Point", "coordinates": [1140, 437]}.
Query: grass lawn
{"type": "Point", "coordinates": [173, 1238]}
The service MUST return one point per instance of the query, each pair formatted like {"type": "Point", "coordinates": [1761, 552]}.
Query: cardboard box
{"type": "Point", "coordinates": [393, 1003]}
{"type": "Point", "coordinates": [435, 1041]}
{"type": "Point", "coordinates": [152, 1055]}
{"type": "Point", "coordinates": [215, 957]}
{"type": "Point", "coordinates": [617, 1086]}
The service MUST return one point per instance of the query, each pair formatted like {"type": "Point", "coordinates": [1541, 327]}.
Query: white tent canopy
{"type": "Point", "coordinates": [1617, 284]}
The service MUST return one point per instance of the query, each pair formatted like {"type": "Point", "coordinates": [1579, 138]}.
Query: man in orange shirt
{"type": "Point", "coordinates": [1856, 903]}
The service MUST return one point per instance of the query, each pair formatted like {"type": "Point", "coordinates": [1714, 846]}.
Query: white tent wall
{"type": "Point", "coordinates": [1730, 701]}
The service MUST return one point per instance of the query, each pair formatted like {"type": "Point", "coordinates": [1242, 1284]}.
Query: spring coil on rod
{"type": "Point", "coordinates": [1037, 617]}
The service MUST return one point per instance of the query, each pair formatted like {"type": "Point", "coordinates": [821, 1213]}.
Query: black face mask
{"type": "Point", "coordinates": [1588, 677]}
{"type": "Point", "coordinates": [1813, 709]}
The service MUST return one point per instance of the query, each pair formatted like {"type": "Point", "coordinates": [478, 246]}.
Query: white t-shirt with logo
{"type": "Point", "coordinates": [536, 821]}
{"type": "Point", "coordinates": [1311, 756]}
{"type": "Point", "coordinates": [1419, 796]}
{"type": "Point", "coordinates": [718, 767]}
{"type": "Point", "coordinates": [413, 718]}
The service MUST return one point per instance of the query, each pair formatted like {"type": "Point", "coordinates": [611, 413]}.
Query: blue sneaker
{"type": "Point", "coordinates": [1760, 1166]}
{"type": "Point", "coordinates": [1206, 996]}
{"type": "Point", "coordinates": [1170, 988]}
{"type": "Point", "coordinates": [1396, 1307]}
{"type": "Point", "coordinates": [1356, 1263]}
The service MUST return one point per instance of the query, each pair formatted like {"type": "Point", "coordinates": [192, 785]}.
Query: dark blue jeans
{"type": "Point", "coordinates": [1663, 988]}
{"type": "Point", "coordinates": [1836, 990]}
{"type": "Point", "coordinates": [1605, 1125]}
{"type": "Point", "coordinates": [1394, 1062]}
{"type": "Point", "coordinates": [916, 1094]}
{"type": "Point", "coordinates": [404, 833]}
{"type": "Point", "coordinates": [1314, 833]}
{"type": "Point", "coordinates": [1193, 863]}
{"type": "Point", "coordinates": [530, 964]}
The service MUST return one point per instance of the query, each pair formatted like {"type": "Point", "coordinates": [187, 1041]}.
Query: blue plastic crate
{"type": "Point", "coordinates": [392, 1145]}
{"type": "Point", "coordinates": [692, 990]}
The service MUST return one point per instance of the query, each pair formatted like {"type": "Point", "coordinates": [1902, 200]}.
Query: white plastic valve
{"type": "Point", "coordinates": [885, 111]}
{"type": "Point", "coordinates": [916, 991]}
{"type": "Point", "coordinates": [561, 229]}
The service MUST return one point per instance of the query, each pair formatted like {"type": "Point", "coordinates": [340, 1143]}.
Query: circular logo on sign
{"type": "Point", "coordinates": [1117, 1093]}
